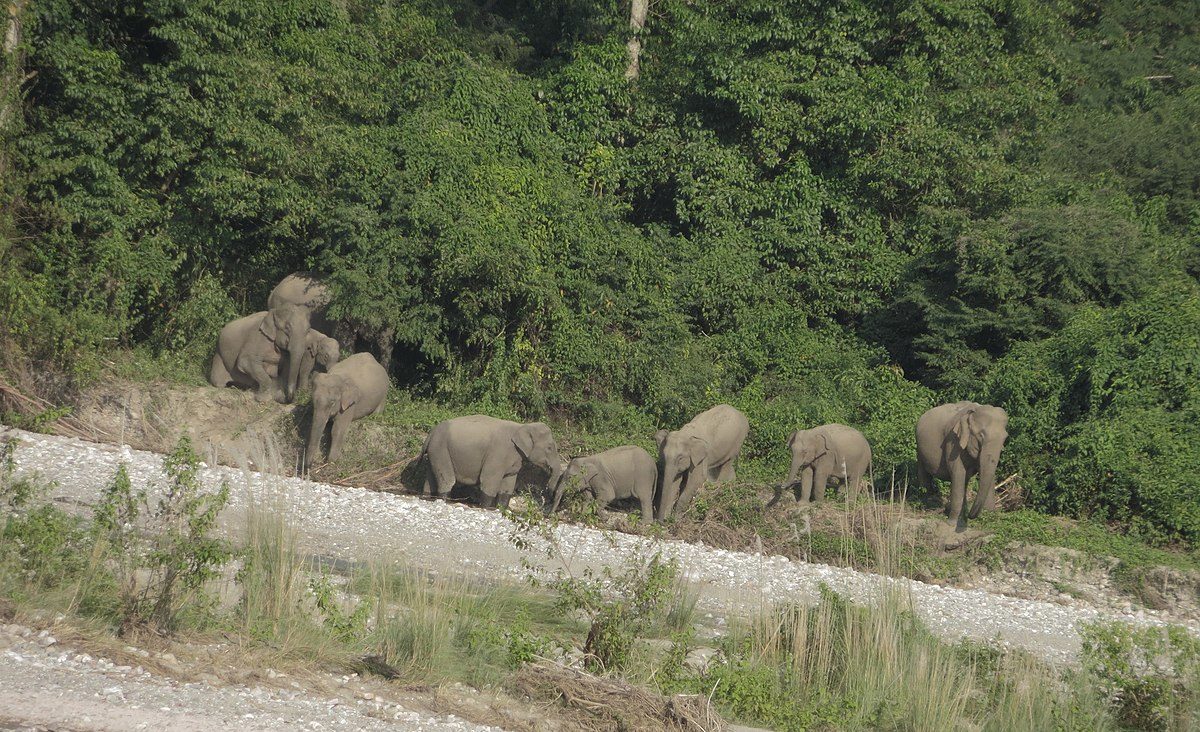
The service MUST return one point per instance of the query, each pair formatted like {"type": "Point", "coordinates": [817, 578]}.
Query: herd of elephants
{"type": "Point", "coordinates": [290, 346]}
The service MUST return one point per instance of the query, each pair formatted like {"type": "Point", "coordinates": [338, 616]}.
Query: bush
{"type": "Point", "coordinates": [1151, 674]}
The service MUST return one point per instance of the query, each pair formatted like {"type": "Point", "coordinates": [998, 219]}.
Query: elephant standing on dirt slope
{"type": "Point", "coordinates": [955, 442]}
{"type": "Point", "coordinates": [488, 453]}
{"type": "Point", "coordinates": [306, 290]}
{"type": "Point", "coordinates": [354, 388]}
{"type": "Point", "coordinates": [703, 449]}
{"type": "Point", "coordinates": [622, 472]}
{"type": "Point", "coordinates": [831, 451]}
{"type": "Point", "coordinates": [250, 350]}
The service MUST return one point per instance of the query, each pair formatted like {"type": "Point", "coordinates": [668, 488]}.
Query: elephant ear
{"type": "Point", "coordinates": [792, 438]}
{"type": "Point", "coordinates": [523, 439]}
{"type": "Point", "coordinates": [962, 428]}
{"type": "Point", "coordinates": [660, 438]}
{"type": "Point", "coordinates": [268, 328]}
{"type": "Point", "coordinates": [824, 440]}
{"type": "Point", "coordinates": [349, 397]}
{"type": "Point", "coordinates": [698, 450]}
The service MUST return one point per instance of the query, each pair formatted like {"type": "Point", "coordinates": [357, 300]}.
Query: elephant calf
{"type": "Point", "coordinates": [622, 472]}
{"type": "Point", "coordinates": [703, 449]}
{"type": "Point", "coordinates": [958, 441]}
{"type": "Point", "coordinates": [354, 388]}
{"type": "Point", "coordinates": [821, 454]}
{"type": "Point", "coordinates": [319, 350]}
{"type": "Point", "coordinates": [488, 453]}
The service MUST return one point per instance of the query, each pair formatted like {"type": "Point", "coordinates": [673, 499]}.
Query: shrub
{"type": "Point", "coordinates": [1151, 675]}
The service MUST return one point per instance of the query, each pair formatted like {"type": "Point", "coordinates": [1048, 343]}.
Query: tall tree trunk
{"type": "Point", "coordinates": [637, 21]}
{"type": "Point", "coordinates": [12, 76]}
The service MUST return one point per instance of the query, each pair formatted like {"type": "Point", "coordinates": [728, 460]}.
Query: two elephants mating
{"type": "Point", "coordinates": [290, 346]}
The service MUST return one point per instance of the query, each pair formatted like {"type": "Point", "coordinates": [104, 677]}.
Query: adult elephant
{"type": "Point", "coordinates": [487, 453]}
{"type": "Point", "coordinates": [703, 449]}
{"type": "Point", "coordinates": [307, 291]}
{"type": "Point", "coordinates": [354, 388]}
{"type": "Point", "coordinates": [250, 351]}
{"type": "Point", "coordinates": [958, 441]}
{"type": "Point", "coordinates": [622, 472]}
{"type": "Point", "coordinates": [825, 453]}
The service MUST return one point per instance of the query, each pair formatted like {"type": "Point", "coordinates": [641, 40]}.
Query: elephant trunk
{"type": "Point", "coordinates": [987, 481]}
{"type": "Point", "coordinates": [295, 359]}
{"type": "Point", "coordinates": [670, 493]}
{"type": "Point", "coordinates": [556, 480]}
{"type": "Point", "coordinates": [315, 431]}
{"type": "Point", "coordinates": [559, 486]}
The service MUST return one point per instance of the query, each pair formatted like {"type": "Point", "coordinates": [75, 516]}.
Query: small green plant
{"type": "Point", "coordinates": [345, 626]}
{"type": "Point", "coordinates": [616, 602]}
{"type": "Point", "coordinates": [1151, 675]}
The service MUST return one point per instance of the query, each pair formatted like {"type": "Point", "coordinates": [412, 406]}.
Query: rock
{"type": "Point", "coordinates": [46, 641]}
{"type": "Point", "coordinates": [699, 659]}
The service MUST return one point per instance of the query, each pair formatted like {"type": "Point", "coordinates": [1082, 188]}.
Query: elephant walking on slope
{"type": "Point", "coordinates": [488, 453]}
{"type": "Point", "coordinates": [703, 449]}
{"type": "Point", "coordinates": [829, 452]}
{"type": "Point", "coordinates": [958, 441]}
{"type": "Point", "coordinates": [354, 388]}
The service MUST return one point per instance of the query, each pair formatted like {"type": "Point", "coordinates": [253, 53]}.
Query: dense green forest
{"type": "Point", "coordinates": [814, 210]}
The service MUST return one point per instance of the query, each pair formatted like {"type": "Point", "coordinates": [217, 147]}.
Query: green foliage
{"type": "Point", "coordinates": [1104, 415]}
{"type": "Point", "coordinates": [1150, 674]}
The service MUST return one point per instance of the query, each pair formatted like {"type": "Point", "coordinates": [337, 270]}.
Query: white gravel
{"type": "Point", "coordinates": [355, 524]}
{"type": "Point", "coordinates": [47, 687]}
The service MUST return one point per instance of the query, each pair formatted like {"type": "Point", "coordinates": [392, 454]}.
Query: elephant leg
{"type": "Point", "coordinates": [647, 501]}
{"type": "Point", "coordinates": [341, 425]}
{"type": "Point", "coordinates": [725, 474]}
{"type": "Point", "coordinates": [820, 481]}
{"type": "Point", "coordinates": [806, 485]}
{"type": "Point", "coordinates": [504, 489]}
{"type": "Point", "coordinates": [218, 375]}
{"type": "Point", "coordinates": [958, 495]}
{"type": "Point", "coordinates": [695, 479]}
{"type": "Point", "coordinates": [853, 481]}
{"type": "Point", "coordinates": [265, 387]}
{"type": "Point", "coordinates": [439, 477]}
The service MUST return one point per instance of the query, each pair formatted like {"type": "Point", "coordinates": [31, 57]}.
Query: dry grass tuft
{"type": "Point", "coordinates": [605, 704]}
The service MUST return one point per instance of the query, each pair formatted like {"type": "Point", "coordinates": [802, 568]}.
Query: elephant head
{"type": "Point", "coordinates": [333, 394]}
{"type": "Point", "coordinates": [679, 453]}
{"type": "Point", "coordinates": [577, 471]}
{"type": "Point", "coordinates": [286, 326]}
{"type": "Point", "coordinates": [325, 352]}
{"type": "Point", "coordinates": [980, 431]}
{"type": "Point", "coordinates": [535, 443]}
{"type": "Point", "coordinates": [807, 447]}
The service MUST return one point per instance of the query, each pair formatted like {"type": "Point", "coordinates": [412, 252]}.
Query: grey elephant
{"type": "Point", "coordinates": [308, 291]}
{"type": "Point", "coordinates": [703, 449]}
{"type": "Point", "coordinates": [250, 351]}
{"type": "Point", "coordinates": [958, 441]}
{"type": "Point", "coordinates": [354, 388]}
{"type": "Point", "coordinates": [622, 472]}
{"type": "Point", "coordinates": [824, 453]}
{"type": "Point", "coordinates": [319, 351]}
{"type": "Point", "coordinates": [487, 453]}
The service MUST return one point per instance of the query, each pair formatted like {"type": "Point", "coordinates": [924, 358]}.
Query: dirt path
{"type": "Point", "coordinates": [357, 525]}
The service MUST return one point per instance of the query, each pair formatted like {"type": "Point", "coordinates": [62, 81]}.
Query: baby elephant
{"type": "Point", "coordinates": [822, 453]}
{"type": "Point", "coordinates": [353, 389]}
{"type": "Point", "coordinates": [319, 351]}
{"type": "Point", "coordinates": [622, 472]}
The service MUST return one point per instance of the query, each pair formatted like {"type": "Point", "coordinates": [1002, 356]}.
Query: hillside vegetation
{"type": "Point", "coordinates": [816, 211]}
